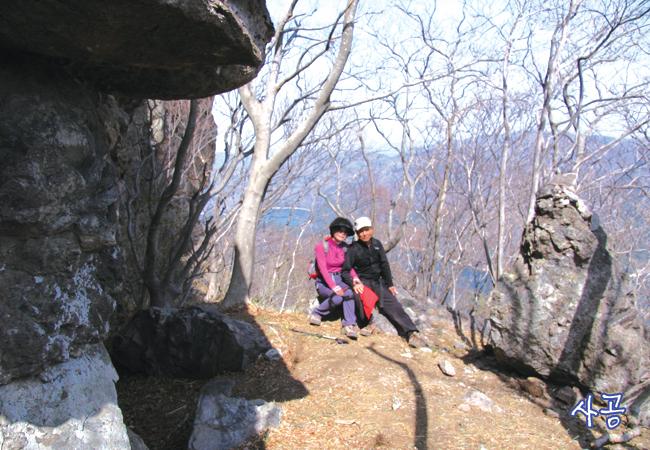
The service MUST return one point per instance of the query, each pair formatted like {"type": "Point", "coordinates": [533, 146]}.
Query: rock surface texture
{"type": "Point", "coordinates": [196, 343]}
{"type": "Point", "coordinates": [566, 311]}
{"type": "Point", "coordinates": [222, 422]}
{"type": "Point", "coordinates": [68, 68]}
{"type": "Point", "coordinates": [59, 268]}
{"type": "Point", "coordinates": [144, 48]}
{"type": "Point", "coordinates": [70, 406]}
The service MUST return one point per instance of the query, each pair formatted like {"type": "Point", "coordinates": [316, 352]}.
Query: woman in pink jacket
{"type": "Point", "coordinates": [333, 293]}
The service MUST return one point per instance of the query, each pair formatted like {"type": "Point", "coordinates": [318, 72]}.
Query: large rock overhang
{"type": "Point", "coordinates": [164, 49]}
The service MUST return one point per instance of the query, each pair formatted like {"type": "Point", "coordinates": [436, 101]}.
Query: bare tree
{"type": "Point", "coordinates": [173, 204]}
{"type": "Point", "coordinates": [585, 44]}
{"type": "Point", "coordinates": [266, 120]}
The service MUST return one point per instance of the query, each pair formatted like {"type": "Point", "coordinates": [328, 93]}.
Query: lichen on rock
{"type": "Point", "coordinates": [565, 310]}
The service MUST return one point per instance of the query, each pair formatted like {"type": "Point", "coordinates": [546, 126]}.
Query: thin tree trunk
{"type": "Point", "coordinates": [557, 47]}
{"type": "Point", "coordinates": [265, 166]}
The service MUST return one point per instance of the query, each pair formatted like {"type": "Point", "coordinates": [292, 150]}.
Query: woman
{"type": "Point", "coordinates": [333, 293]}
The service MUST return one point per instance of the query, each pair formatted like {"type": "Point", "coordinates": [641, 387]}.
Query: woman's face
{"type": "Point", "coordinates": [340, 234]}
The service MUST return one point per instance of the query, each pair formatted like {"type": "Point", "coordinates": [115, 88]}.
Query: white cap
{"type": "Point", "coordinates": [362, 222]}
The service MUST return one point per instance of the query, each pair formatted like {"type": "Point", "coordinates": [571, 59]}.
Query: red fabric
{"type": "Point", "coordinates": [369, 300]}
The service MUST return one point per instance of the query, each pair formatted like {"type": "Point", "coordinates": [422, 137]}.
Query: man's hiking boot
{"type": "Point", "coordinates": [314, 320]}
{"type": "Point", "coordinates": [350, 331]}
{"type": "Point", "coordinates": [416, 341]}
{"type": "Point", "coordinates": [367, 331]}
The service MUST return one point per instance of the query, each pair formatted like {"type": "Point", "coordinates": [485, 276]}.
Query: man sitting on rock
{"type": "Point", "coordinates": [368, 258]}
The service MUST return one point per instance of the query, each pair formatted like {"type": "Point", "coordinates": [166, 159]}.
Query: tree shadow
{"type": "Point", "coordinates": [421, 415]}
{"type": "Point", "coordinates": [274, 382]}
{"type": "Point", "coordinates": [457, 319]}
{"type": "Point", "coordinates": [581, 331]}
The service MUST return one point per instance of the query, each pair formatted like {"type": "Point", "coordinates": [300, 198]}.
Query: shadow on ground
{"type": "Point", "coordinates": [161, 410]}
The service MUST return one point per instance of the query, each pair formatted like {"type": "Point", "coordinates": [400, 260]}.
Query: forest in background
{"type": "Point", "coordinates": [441, 123]}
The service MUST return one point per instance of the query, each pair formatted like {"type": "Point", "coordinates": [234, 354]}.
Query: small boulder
{"type": "Point", "coordinates": [68, 406]}
{"type": "Point", "coordinates": [484, 403]}
{"type": "Point", "coordinates": [568, 395]}
{"type": "Point", "coordinates": [136, 441]}
{"type": "Point", "coordinates": [534, 386]}
{"type": "Point", "coordinates": [222, 423]}
{"type": "Point", "coordinates": [447, 368]}
{"type": "Point", "coordinates": [552, 413]}
{"type": "Point", "coordinates": [274, 354]}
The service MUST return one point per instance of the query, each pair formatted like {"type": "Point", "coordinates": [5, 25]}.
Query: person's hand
{"type": "Point", "coordinates": [393, 290]}
{"type": "Point", "coordinates": [338, 291]}
{"type": "Point", "coordinates": [358, 288]}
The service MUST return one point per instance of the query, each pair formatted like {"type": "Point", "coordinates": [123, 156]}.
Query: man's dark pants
{"type": "Point", "coordinates": [390, 307]}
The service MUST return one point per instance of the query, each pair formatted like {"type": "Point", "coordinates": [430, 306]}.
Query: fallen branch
{"type": "Point", "coordinates": [324, 336]}
{"type": "Point", "coordinates": [177, 409]}
{"type": "Point", "coordinates": [634, 431]}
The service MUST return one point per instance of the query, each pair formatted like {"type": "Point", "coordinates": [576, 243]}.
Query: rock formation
{"type": "Point", "coordinates": [71, 405]}
{"type": "Point", "coordinates": [70, 72]}
{"type": "Point", "coordinates": [61, 269]}
{"type": "Point", "coordinates": [144, 48]}
{"type": "Point", "coordinates": [565, 310]}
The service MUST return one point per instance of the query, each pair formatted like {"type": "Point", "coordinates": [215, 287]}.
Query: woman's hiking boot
{"type": "Point", "coordinates": [350, 331]}
{"type": "Point", "coordinates": [314, 320]}
{"type": "Point", "coordinates": [367, 331]}
{"type": "Point", "coordinates": [416, 341]}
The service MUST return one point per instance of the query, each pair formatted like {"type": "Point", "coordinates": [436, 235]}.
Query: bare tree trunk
{"type": "Point", "coordinates": [548, 87]}
{"type": "Point", "coordinates": [442, 196]}
{"type": "Point", "coordinates": [265, 166]}
{"type": "Point", "coordinates": [249, 217]}
{"type": "Point", "coordinates": [505, 154]}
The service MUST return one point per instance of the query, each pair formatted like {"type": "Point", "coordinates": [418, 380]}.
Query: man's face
{"type": "Point", "coordinates": [365, 234]}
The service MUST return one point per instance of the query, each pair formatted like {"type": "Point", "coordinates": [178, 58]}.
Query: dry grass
{"type": "Point", "coordinates": [336, 396]}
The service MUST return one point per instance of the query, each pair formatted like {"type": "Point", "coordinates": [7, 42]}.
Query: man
{"type": "Point", "coordinates": [368, 258]}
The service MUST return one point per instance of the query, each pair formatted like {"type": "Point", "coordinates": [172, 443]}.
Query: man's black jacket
{"type": "Point", "coordinates": [370, 263]}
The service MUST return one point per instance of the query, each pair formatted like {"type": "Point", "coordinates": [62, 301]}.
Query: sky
{"type": "Point", "coordinates": [381, 22]}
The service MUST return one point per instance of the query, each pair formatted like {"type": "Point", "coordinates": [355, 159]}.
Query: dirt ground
{"type": "Point", "coordinates": [375, 392]}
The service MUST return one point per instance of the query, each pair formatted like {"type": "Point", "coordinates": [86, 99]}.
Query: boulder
{"type": "Point", "coordinates": [60, 272]}
{"type": "Point", "coordinates": [222, 423]}
{"type": "Point", "coordinates": [566, 310]}
{"type": "Point", "coordinates": [197, 342]}
{"type": "Point", "coordinates": [164, 49]}
{"type": "Point", "coordinates": [416, 311]}
{"type": "Point", "coordinates": [70, 406]}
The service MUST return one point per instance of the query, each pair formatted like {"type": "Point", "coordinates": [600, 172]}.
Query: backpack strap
{"type": "Point", "coordinates": [326, 246]}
